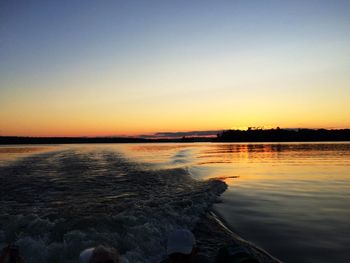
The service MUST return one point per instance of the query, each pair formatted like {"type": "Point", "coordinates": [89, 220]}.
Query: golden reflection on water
{"type": "Point", "coordinates": [158, 147]}
{"type": "Point", "coordinates": [235, 163]}
{"type": "Point", "coordinates": [9, 150]}
{"type": "Point", "coordinates": [239, 163]}
{"type": "Point", "coordinates": [8, 153]}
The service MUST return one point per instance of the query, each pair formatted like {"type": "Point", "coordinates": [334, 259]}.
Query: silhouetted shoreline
{"type": "Point", "coordinates": [83, 140]}
{"type": "Point", "coordinates": [283, 135]}
{"type": "Point", "coordinates": [250, 135]}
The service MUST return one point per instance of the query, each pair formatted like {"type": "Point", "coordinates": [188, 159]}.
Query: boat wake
{"type": "Point", "coordinates": [55, 204]}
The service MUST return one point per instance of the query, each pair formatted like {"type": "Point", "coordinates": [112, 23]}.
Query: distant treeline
{"type": "Point", "coordinates": [283, 135]}
{"type": "Point", "coordinates": [81, 140]}
{"type": "Point", "coordinates": [66, 140]}
{"type": "Point", "coordinates": [250, 135]}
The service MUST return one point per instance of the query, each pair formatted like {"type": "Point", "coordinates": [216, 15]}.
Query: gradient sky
{"type": "Point", "coordinates": [71, 68]}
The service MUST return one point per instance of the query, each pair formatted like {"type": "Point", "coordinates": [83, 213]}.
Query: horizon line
{"type": "Point", "coordinates": [172, 134]}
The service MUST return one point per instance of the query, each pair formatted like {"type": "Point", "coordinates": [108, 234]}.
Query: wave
{"type": "Point", "coordinates": [54, 205]}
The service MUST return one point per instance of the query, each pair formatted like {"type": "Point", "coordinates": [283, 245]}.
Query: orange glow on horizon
{"type": "Point", "coordinates": [70, 130]}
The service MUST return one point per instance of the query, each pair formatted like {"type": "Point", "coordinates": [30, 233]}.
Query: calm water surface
{"type": "Point", "coordinates": [292, 199]}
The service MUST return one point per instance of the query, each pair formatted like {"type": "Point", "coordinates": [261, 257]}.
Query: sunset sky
{"type": "Point", "coordinates": [96, 68]}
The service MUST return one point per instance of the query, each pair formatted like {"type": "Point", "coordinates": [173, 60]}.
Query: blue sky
{"type": "Point", "coordinates": [120, 67]}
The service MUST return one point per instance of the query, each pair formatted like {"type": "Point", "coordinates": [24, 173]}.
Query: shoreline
{"type": "Point", "coordinates": [250, 135]}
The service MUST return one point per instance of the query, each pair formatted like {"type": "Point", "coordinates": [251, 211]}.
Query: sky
{"type": "Point", "coordinates": [107, 68]}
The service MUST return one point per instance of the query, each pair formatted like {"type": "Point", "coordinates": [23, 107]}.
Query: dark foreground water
{"type": "Point", "coordinates": [291, 199]}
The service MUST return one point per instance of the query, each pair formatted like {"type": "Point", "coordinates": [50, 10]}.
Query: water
{"type": "Point", "coordinates": [292, 199]}
{"type": "Point", "coordinates": [60, 200]}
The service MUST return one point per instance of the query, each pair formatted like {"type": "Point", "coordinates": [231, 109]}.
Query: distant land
{"type": "Point", "coordinates": [283, 135]}
{"type": "Point", "coordinates": [249, 135]}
